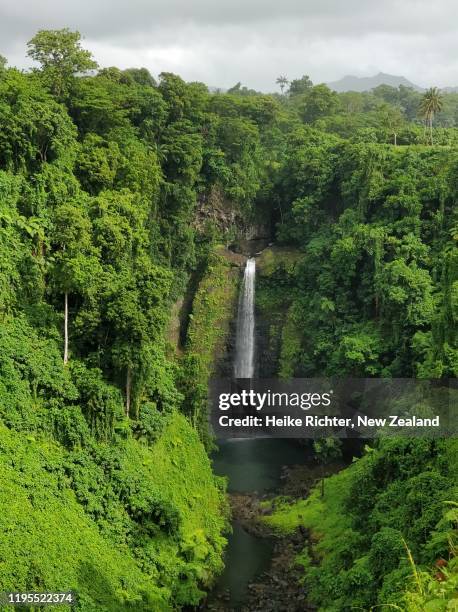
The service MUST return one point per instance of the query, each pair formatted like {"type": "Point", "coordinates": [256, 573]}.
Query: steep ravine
{"type": "Point", "coordinates": [260, 572]}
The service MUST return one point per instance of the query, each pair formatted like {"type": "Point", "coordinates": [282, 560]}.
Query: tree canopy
{"type": "Point", "coordinates": [119, 193]}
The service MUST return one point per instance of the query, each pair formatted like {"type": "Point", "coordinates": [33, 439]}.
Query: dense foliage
{"type": "Point", "coordinates": [99, 178]}
{"type": "Point", "coordinates": [378, 523]}
{"type": "Point", "coordinates": [115, 189]}
{"type": "Point", "coordinates": [371, 292]}
{"type": "Point", "coordinates": [377, 284]}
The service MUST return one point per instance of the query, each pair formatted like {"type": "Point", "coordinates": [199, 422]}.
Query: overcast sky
{"type": "Point", "coordinates": [221, 42]}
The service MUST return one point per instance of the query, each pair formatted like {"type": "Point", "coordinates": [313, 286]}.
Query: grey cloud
{"type": "Point", "coordinates": [224, 41]}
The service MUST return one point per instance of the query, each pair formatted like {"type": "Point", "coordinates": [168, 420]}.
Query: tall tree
{"type": "Point", "coordinates": [317, 102]}
{"type": "Point", "coordinates": [392, 120]}
{"type": "Point", "coordinates": [283, 82]}
{"type": "Point", "coordinates": [72, 267]}
{"type": "Point", "coordinates": [61, 56]}
{"type": "Point", "coordinates": [300, 86]}
{"type": "Point", "coordinates": [430, 105]}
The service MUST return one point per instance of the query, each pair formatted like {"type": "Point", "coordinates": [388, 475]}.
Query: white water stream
{"type": "Point", "coordinates": [244, 340]}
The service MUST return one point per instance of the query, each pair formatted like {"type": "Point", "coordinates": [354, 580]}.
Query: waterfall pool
{"type": "Point", "coordinates": [255, 465]}
{"type": "Point", "coordinates": [251, 466]}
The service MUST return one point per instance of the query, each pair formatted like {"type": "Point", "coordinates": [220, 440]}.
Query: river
{"type": "Point", "coordinates": [251, 466]}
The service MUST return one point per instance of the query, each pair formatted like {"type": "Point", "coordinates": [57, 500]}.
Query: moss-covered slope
{"type": "Point", "coordinates": [151, 543]}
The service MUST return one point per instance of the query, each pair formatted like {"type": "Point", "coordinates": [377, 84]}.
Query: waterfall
{"type": "Point", "coordinates": [244, 340]}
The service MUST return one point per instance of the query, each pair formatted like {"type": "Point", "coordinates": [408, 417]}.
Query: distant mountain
{"type": "Point", "coordinates": [354, 83]}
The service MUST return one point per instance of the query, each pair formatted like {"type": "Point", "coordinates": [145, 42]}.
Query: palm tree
{"type": "Point", "coordinates": [283, 82]}
{"type": "Point", "coordinates": [431, 104]}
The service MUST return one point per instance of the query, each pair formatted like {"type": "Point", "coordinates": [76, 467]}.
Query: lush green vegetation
{"type": "Point", "coordinates": [213, 308]}
{"type": "Point", "coordinates": [115, 190]}
{"type": "Point", "coordinates": [123, 525]}
{"type": "Point", "coordinates": [108, 488]}
{"type": "Point", "coordinates": [380, 522]}
{"type": "Point", "coordinates": [374, 294]}
{"type": "Point", "coordinates": [377, 285]}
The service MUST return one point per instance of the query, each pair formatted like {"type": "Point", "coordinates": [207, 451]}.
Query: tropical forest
{"type": "Point", "coordinates": [129, 207]}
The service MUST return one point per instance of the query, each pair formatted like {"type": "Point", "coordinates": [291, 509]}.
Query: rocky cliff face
{"type": "Point", "coordinates": [213, 208]}
{"type": "Point", "coordinates": [245, 236]}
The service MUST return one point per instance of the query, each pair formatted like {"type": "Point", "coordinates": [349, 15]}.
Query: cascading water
{"type": "Point", "coordinates": [251, 465]}
{"type": "Point", "coordinates": [244, 339]}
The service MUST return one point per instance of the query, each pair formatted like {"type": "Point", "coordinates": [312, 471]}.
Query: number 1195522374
{"type": "Point", "coordinates": [37, 599]}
